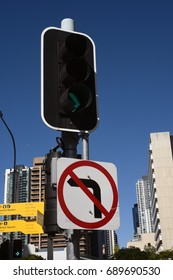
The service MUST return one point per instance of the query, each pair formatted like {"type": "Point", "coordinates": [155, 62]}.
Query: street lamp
{"type": "Point", "coordinates": [14, 159]}
{"type": "Point", "coordinates": [13, 183]}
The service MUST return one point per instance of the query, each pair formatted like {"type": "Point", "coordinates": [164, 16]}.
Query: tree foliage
{"type": "Point", "coordinates": [131, 253]}
{"type": "Point", "coordinates": [165, 255]}
{"type": "Point", "coordinates": [32, 257]}
{"type": "Point", "coordinates": [149, 253]}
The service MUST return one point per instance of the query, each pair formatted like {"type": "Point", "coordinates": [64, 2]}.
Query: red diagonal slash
{"type": "Point", "coordinates": [88, 193]}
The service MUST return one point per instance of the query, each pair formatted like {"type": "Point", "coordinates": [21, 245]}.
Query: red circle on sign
{"type": "Point", "coordinates": [68, 171]}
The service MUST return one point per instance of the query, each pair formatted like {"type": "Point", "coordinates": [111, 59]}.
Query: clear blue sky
{"type": "Point", "coordinates": [134, 44]}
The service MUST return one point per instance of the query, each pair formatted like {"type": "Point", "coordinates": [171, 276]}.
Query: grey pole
{"type": "Point", "coordinates": [70, 141]}
{"type": "Point", "coordinates": [85, 155]}
{"type": "Point", "coordinates": [50, 204]}
{"type": "Point", "coordinates": [85, 146]}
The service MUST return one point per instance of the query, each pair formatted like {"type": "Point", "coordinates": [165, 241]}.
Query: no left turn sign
{"type": "Point", "coordinates": [87, 195]}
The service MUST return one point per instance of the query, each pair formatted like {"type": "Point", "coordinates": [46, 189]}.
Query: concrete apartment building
{"type": "Point", "coordinates": [142, 216]}
{"type": "Point", "coordinates": [160, 176]}
{"type": "Point", "coordinates": [144, 205]}
{"type": "Point", "coordinates": [37, 188]}
{"type": "Point", "coordinates": [22, 194]}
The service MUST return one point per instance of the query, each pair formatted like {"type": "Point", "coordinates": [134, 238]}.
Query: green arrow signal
{"type": "Point", "coordinates": [75, 101]}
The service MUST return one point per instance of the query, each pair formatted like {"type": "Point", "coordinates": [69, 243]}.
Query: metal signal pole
{"type": "Point", "coordinates": [14, 181]}
{"type": "Point", "coordinates": [70, 141]}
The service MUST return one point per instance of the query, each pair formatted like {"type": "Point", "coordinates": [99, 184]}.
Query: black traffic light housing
{"type": "Point", "coordinates": [50, 203]}
{"type": "Point", "coordinates": [17, 248]}
{"type": "Point", "coordinates": [5, 250]}
{"type": "Point", "coordinates": [69, 96]}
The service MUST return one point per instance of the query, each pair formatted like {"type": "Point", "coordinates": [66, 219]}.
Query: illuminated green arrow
{"type": "Point", "coordinates": [75, 101]}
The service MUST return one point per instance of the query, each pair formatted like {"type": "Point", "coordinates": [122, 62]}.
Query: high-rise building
{"type": "Point", "coordinates": [111, 241]}
{"type": "Point", "coordinates": [144, 205]}
{"type": "Point", "coordinates": [21, 190]}
{"type": "Point", "coordinates": [135, 220]}
{"type": "Point", "coordinates": [22, 184]}
{"type": "Point", "coordinates": [37, 189]}
{"type": "Point", "coordinates": [161, 185]}
{"type": "Point", "coordinates": [142, 216]}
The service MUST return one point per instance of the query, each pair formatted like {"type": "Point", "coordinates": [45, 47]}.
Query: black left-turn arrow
{"type": "Point", "coordinates": [89, 183]}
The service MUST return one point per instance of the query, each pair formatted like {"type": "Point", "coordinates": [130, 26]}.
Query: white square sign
{"type": "Point", "coordinates": [87, 195]}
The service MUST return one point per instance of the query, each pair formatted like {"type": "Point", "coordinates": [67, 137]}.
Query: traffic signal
{"type": "Point", "coordinates": [17, 248]}
{"type": "Point", "coordinates": [4, 250]}
{"type": "Point", "coordinates": [50, 200]}
{"type": "Point", "coordinates": [69, 95]}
